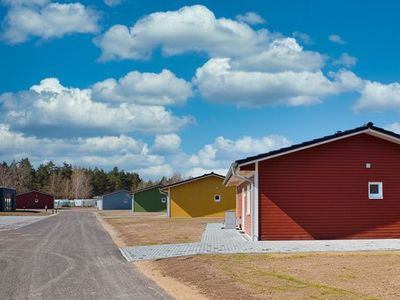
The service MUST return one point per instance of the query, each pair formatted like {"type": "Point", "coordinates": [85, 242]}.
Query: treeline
{"type": "Point", "coordinates": [72, 182]}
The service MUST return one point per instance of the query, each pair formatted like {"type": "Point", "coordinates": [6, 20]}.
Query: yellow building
{"type": "Point", "coordinates": [203, 196]}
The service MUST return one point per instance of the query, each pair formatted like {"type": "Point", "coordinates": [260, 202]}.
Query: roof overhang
{"type": "Point", "coordinates": [167, 187]}
{"type": "Point", "coordinates": [243, 167]}
{"type": "Point", "coordinates": [237, 175]}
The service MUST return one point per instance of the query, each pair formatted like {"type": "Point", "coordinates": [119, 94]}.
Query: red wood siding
{"type": "Point", "coordinates": [322, 192]}
{"type": "Point", "coordinates": [27, 201]}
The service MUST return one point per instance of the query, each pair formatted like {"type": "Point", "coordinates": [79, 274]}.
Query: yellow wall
{"type": "Point", "coordinates": [196, 198]}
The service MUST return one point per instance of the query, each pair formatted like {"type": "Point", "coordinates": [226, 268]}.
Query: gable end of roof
{"type": "Point", "coordinates": [193, 179]}
{"type": "Point", "coordinates": [367, 128]}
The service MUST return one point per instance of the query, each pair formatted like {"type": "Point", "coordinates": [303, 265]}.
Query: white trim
{"type": "Point", "coordinates": [251, 210]}
{"type": "Point", "coordinates": [193, 179]}
{"type": "Point", "coordinates": [219, 198]}
{"type": "Point", "coordinates": [168, 204]}
{"type": "Point", "coordinates": [243, 211]}
{"type": "Point", "coordinates": [367, 131]}
{"type": "Point", "coordinates": [248, 200]}
{"type": "Point", "coordinates": [255, 217]}
{"type": "Point", "coordinates": [380, 189]}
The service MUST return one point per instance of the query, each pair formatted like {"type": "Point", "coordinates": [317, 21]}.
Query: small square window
{"type": "Point", "coordinates": [125, 201]}
{"type": "Point", "coordinates": [163, 200]}
{"type": "Point", "coordinates": [217, 198]}
{"type": "Point", "coordinates": [36, 200]}
{"type": "Point", "coordinates": [375, 190]}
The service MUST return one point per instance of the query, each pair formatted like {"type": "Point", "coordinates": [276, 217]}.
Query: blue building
{"type": "Point", "coordinates": [121, 199]}
{"type": "Point", "coordinates": [7, 199]}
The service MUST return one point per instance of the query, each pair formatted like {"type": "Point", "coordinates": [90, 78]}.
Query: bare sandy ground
{"type": "Point", "coordinates": [175, 288]}
{"type": "Point", "coordinates": [134, 229]}
{"type": "Point", "coordinates": [362, 275]}
{"type": "Point", "coordinates": [352, 275]}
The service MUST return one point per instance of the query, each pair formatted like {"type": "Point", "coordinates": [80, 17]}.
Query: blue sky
{"type": "Point", "coordinates": [160, 87]}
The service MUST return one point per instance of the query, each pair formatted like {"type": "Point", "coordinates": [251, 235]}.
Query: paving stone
{"type": "Point", "coordinates": [215, 239]}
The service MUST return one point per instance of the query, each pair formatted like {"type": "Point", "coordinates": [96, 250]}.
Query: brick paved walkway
{"type": "Point", "coordinates": [218, 240]}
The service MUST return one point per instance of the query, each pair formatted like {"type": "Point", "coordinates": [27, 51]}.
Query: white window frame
{"type": "Point", "coordinates": [380, 189]}
{"type": "Point", "coordinates": [163, 200]}
{"type": "Point", "coordinates": [36, 200]}
{"type": "Point", "coordinates": [248, 200]}
{"type": "Point", "coordinates": [217, 196]}
{"type": "Point", "coordinates": [125, 201]}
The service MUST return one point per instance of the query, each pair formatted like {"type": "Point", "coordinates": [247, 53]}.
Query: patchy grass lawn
{"type": "Point", "coordinates": [20, 212]}
{"type": "Point", "coordinates": [361, 275]}
{"type": "Point", "coordinates": [132, 229]}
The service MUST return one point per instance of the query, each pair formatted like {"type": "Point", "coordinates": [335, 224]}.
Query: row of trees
{"type": "Point", "coordinates": [71, 182]}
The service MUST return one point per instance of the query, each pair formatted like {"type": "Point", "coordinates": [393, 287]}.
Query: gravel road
{"type": "Point", "coordinates": [68, 256]}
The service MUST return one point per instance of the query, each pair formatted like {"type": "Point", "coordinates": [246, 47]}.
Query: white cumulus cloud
{"type": "Point", "coordinates": [52, 104]}
{"type": "Point", "coordinates": [378, 97]}
{"type": "Point", "coordinates": [144, 88]}
{"type": "Point", "coordinates": [166, 143]}
{"type": "Point", "coordinates": [45, 20]}
{"type": "Point", "coordinates": [191, 28]}
{"type": "Point", "coordinates": [132, 154]}
{"type": "Point", "coordinates": [222, 152]}
{"type": "Point", "coordinates": [218, 82]}
{"type": "Point", "coordinates": [283, 54]}
{"type": "Point", "coordinates": [103, 151]}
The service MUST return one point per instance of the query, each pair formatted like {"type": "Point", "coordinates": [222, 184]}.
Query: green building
{"type": "Point", "coordinates": [149, 199]}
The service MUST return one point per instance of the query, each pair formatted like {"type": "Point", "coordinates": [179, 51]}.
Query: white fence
{"type": "Point", "coordinates": [75, 203]}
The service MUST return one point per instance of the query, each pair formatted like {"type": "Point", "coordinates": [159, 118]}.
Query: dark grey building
{"type": "Point", "coordinates": [121, 199]}
{"type": "Point", "coordinates": [7, 199]}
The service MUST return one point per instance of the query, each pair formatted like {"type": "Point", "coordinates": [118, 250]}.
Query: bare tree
{"type": "Point", "coordinates": [65, 188]}
{"type": "Point", "coordinates": [24, 178]}
{"type": "Point", "coordinates": [5, 175]}
{"type": "Point", "coordinates": [55, 185]}
{"type": "Point", "coordinates": [80, 184]}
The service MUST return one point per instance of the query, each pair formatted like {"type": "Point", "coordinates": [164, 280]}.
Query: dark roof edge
{"type": "Point", "coordinates": [193, 179]}
{"type": "Point", "coordinates": [339, 134]}
{"type": "Point", "coordinates": [148, 188]}
{"type": "Point", "coordinates": [36, 191]}
{"type": "Point", "coordinates": [122, 190]}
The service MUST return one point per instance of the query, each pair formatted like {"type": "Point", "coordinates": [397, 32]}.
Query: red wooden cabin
{"type": "Point", "coordinates": [35, 200]}
{"type": "Point", "coordinates": [342, 186]}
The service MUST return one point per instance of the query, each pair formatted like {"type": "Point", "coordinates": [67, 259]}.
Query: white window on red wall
{"type": "Point", "coordinates": [375, 190]}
